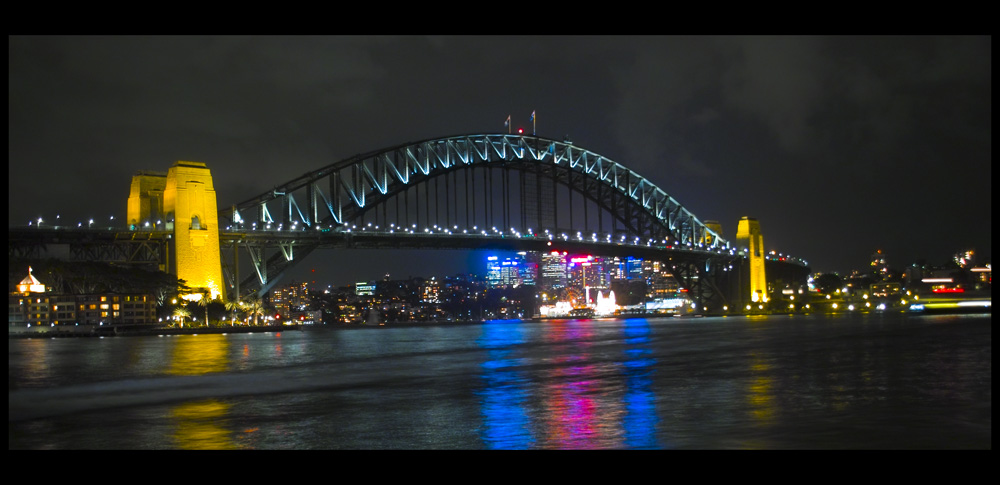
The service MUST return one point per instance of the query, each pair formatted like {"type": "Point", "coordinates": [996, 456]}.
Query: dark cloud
{"type": "Point", "coordinates": [839, 145]}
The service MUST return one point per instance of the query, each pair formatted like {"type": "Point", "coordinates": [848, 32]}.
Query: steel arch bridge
{"type": "Point", "coordinates": [498, 191]}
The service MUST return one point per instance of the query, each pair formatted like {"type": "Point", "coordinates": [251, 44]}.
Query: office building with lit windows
{"type": "Point", "coordinates": [552, 270]}
{"type": "Point", "coordinates": [290, 299]}
{"type": "Point", "coordinates": [507, 272]}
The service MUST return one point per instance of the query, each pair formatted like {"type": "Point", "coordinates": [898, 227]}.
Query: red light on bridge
{"type": "Point", "coordinates": [948, 290]}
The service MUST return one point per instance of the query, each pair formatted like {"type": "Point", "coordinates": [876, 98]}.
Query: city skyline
{"type": "Point", "coordinates": [839, 145]}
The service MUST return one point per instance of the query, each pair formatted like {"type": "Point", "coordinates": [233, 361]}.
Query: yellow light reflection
{"type": "Point", "coordinates": [761, 392]}
{"type": "Point", "coordinates": [199, 426]}
{"type": "Point", "coordinates": [199, 354]}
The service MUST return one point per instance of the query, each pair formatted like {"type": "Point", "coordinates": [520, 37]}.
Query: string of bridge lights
{"type": "Point", "coordinates": [436, 230]}
{"type": "Point", "coordinates": [413, 230]}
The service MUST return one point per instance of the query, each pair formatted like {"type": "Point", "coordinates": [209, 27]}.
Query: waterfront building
{"type": "Point", "coordinates": [29, 305]}
{"type": "Point", "coordinates": [115, 308]}
{"type": "Point", "coordinates": [30, 284]}
{"type": "Point", "coordinates": [28, 310]}
{"type": "Point", "coordinates": [33, 306]}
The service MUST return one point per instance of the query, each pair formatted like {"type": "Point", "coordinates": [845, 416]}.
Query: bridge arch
{"type": "Point", "coordinates": [343, 194]}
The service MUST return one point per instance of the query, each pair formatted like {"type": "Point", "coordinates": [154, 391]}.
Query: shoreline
{"type": "Point", "coordinates": [111, 331]}
{"type": "Point", "coordinates": [138, 331]}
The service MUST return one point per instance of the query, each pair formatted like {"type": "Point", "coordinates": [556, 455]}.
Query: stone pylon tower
{"type": "Point", "coordinates": [190, 210]}
{"type": "Point", "coordinates": [715, 227]}
{"type": "Point", "coordinates": [748, 236]}
{"type": "Point", "coordinates": [145, 199]}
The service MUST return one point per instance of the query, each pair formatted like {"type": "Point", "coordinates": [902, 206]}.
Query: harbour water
{"type": "Point", "coordinates": [847, 381]}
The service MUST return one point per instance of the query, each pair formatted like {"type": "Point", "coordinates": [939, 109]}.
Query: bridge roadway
{"type": "Point", "coordinates": [133, 245]}
{"type": "Point", "coordinates": [707, 271]}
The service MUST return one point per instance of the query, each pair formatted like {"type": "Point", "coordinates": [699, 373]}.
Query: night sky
{"type": "Point", "coordinates": [838, 145]}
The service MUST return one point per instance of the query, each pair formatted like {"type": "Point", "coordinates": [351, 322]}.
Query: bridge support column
{"type": "Point", "coordinates": [750, 240]}
{"type": "Point", "coordinates": [189, 201]}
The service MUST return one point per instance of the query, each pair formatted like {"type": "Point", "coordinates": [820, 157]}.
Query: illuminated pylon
{"type": "Point", "coordinates": [748, 236]}
{"type": "Point", "coordinates": [145, 199]}
{"type": "Point", "coordinates": [708, 239]}
{"type": "Point", "coordinates": [189, 203]}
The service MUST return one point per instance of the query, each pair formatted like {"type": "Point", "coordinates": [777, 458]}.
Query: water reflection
{"type": "Point", "coordinates": [201, 425]}
{"type": "Point", "coordinates": [199, 354]}
{"type": "Point", "coordinates": [34, 359]}
{"type": "Point", "coordinates": [505, 422]}
{"type": "Point", "coordinates": [579, 384]}
{"type": "Point", "coordinates": [760, 393]}
{"type": "Point", "coordinates": [572, 418]}
{"type": "Point", "coordinates": [640, 420]}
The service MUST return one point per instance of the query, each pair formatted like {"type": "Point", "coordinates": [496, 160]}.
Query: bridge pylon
{"type": "Point", "coordinates": [185, 196]}
{"type": "Point", "coordinates": [749, 238]}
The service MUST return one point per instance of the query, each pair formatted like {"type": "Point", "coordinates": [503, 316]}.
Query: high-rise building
{"type": "Point", "coordinates": [588, 275]}
{"type": "Point", "coordinates": [553, 270]}
{"type": "Point", "coordinates": [633, 268]}
{"type": "Point", "coordinates": [505, 273]}
{"type": "Point", "coordinates": [291, 298]}
{"type": "Point", "coordinates": [660, 282]}
{"type": "Point", "coordinates": [529, 268]}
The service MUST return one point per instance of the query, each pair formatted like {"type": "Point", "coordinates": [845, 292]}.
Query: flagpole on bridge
{"type": "Point", "coordinates": [533, 122]}
{"type": "Point", "coordinates": [507, 124]}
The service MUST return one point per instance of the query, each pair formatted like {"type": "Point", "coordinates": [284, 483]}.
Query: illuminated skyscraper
{"type": "Point", "coordinates": [553, 270]}
{"type": "Point", "coordinates": [506, 273]}
{"type": "Point", "coordinates": [529, 268]}
{"type": "Point", "coordinates": [292, 298]}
